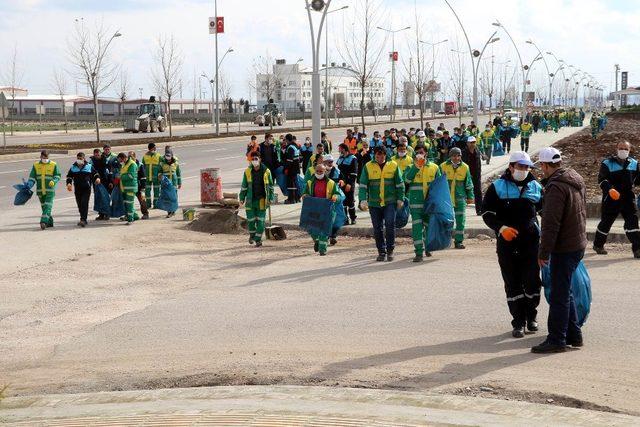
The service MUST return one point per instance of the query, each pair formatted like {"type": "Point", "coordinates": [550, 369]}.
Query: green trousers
{"type": "Point", "coordinates": [460, 210]}
{"type": "Point", "coordinates": [255, 220]}
{"type": "Point", "coordinates": [322, 242]}
{"type": "Point", "coordinates": [46, 204]}
{"type": "Point", "coordinates": [419, 229]}
{"type": "Point", "coordinates": [129, 207]}
{"type": "Point", "coordinates": [155, 186]}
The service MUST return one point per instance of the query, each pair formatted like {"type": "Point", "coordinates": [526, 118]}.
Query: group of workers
{"type": "Point", "coordinates": [133, 177]}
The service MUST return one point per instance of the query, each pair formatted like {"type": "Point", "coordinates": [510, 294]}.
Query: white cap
{"type": "Point", "coordinates": [471, 139]}
{"type": "Point", "coordinates": [439, 133]}
{"type": "Point", "coordinates": [549, 155]}
{"type": "Point", "coordinates": [327, 158]}
{"type": "Point", "coordinates": [520, 157]}
{"type": "Point", "coordinates": [420, 134]}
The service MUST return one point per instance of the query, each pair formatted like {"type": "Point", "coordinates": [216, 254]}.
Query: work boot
{"type": "Point", "coordinates": [418, 258]}
{"type": "Point", "coordinates": [575, 342]}
{"type": "Point", "coordinates": [145, 216]}
{"type": "Point", "coordinates": [258, 243]}
{"type": "Point", "coordinates": [532, 326]}
{"type": "Point", "coordinates": [353, 221]}
{"type": "Point", "coordinates": [43, 226]}
{"type": "Point", "coordinates": [636, 253]}
{"type": "Point", "coordinates": [459, 246]}
{"type": "Point", "coordinates": [381, 257]}
{"type": "Point", "coordinates": [83, 223]}
{"type": "Point", "coordinates": [333, 241]}
{"type": "Point", "coordinates": [316, 246]}
{"type": "Point", "coordinates": [79, 224]}
{"type": "Point", "coordinates": [323, 253]}
{"type": "Point", "coordinates": [390, 256]}
{"type": "Point", "coordinates": [600, 250]}
{"type": "Point", "coordinates": [518, 332]}
{"type": "Point", "coordinates": [251, 240]}
{"type": "Point", "coordinates": [547, 347]}
{"type": "Point", "coordinates": [427, 254]}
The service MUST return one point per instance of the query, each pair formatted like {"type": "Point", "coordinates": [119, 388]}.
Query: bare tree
{"type": "Point", "coordinates": [487, 82]}
{"type": "Point", "coordinates": [60, 88]}
{"type": "Point", "coordinates": [363, 45]}
{"type": "Point", "coordinates": [225, 86]}
{"type": "Point", "coordinates": [457, 72]}
{"type": "Point", "coordinates": [267, 82]}
{"type": "Point", "coordinates": [13, 75]}
{"type": "Point", "coordinates": [89, 53]}
{"type": "Point", "coordinates": [418, 70]}
{"type": "Point", "coordinates": [168, 75]}
{"type": "Point", "coordinates": [124, 87]}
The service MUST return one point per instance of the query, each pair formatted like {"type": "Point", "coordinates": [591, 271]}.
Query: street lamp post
{"type": "Point", "coordinates": [322, 7]}
{"type": "Point", "coordinates": [215, 113]}
{"type": "Point", "coordinates": [545, 64]}
{"type": "Point", "coordinates": [326, 67]}
{"type": "Point", "coordinates": [475, 54]}
{"type": "Point", "coordinates": [524, 89]}
{"type": "Point", "coordinates": [393, 66]}
{"type": "Point", "coordinates": [433, 71]}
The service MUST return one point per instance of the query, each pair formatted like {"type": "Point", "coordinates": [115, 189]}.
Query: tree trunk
{"type": "Point", "coordinates": [64, 115]}
{"type": "Point", "coordinates": [422, 111]}
{"type": "Point", "coordinates": [362, 109]}
{"type": "Point", "coordinates": [95, 115]}
{"type": "Point", "coordinates": [169, 116]}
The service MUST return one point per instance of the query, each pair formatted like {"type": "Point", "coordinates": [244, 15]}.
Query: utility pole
{"type": "Point", "coordinates": [326, 66]}
{"type": "Point", "coordinates": [433, 72]}
{"type": "Point", "coordinates": [216, 104]}
{"type": "Point", "coordinates": [394, 58]}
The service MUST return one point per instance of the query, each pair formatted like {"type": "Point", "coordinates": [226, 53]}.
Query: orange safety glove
{"type": "Point", "coordinates": [508, 233]}
{"type": "Point", "coordinates": [420, 162]}
{"type": "Point", "coordinates": [614, 194]}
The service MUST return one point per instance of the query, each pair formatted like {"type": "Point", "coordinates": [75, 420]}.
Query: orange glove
{"type": "Point", "coordinates": [420, 162]}
{"type": "Point", "coordinates": [508, 233]}
{"type": "Point", "coordinates": [614, 194]}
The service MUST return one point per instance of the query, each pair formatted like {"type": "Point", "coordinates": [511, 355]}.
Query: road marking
{"type": "Point", "coordinates": [3, 186]}
{"type": "Point", "coordinates": [215, 149]}
{"type": "Point", "coordinates": [239, 169]}
{"type": "Point", "coordinates": [21, 170]}
{"type": "Point", "coordinates": [190, 177]}
{"type": "Point", "coordinates": [229, 158]}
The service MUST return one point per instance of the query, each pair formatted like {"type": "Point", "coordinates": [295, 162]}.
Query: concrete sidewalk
{"type": "Point", "coordinates": [291, 406]}
{"type": "Point", "coordinates": [289, 215]}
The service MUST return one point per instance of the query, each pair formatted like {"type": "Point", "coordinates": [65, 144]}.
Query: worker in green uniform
{"type": "Point", "coordinates": [320, 185]}
{"type": "Point", "coordinates": [128, 186]}
{"type": "Point", "coordinates": [419, 177]}
{"type": "Point", "coordinates": [594, 125]}
{"type": "Point", "coordinates": [461, 187]}
{"type": "Point", "coordinates": [151, 161]}
{"type": "Point", "coordinates": [487, 139]}
{"type": "Point", "coordinates": [170, 167]}
{"type": "Point", "coordinates": [45, 175]}
{"type": "Point", "coordinates": [255, 195]}
{"type": "Point", "coordinates": [525, 134]}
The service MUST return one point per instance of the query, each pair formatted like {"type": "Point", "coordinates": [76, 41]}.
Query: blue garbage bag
{"type": "Point", "coordinates": [498, 149]}
{"type": "Point", "coordinates": [439, 209]}
{"type": "Point", "coordinates": [281, 180]}
{"type": "Point", "coordinates": [168, 199]}
{"type": "Point", "coordinates": [101, 200]}
{"type": "Point", "coordinates": [117, 203]}
{"type": "Point", "coordinates": [580, 288]}
{"type": "Point", "coordinates": [402, 214]}
{"type": "Point", "coordinates": [316, 215]}
{"type": "Point", "coordinates": [24, 193]}
{"type": "Point", "coordinates": [340, 218]}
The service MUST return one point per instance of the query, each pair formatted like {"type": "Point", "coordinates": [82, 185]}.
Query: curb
{"type": "Point", "coordinates": [291, 405]}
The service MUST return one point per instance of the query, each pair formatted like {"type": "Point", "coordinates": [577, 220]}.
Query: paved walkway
{"type": "Point", "coordinates": [289, 215]}
{"type": "Point", "coordinates": [291, 406]}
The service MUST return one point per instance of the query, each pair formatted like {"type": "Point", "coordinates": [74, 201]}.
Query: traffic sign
{"type": "Point", "coordinates": [393, 56]}
{"type": "Point", "coordinates": [216, 25]}
{"type": "Point", "coordinates": [338, 107]}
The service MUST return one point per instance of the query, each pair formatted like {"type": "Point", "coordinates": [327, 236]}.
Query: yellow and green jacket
{"type": "Point", "coordinates": [151, 162]}
{"type": "Point", "coordinates": [419, 180]}
{"type": "Point", "coordinates": [129, 177]}
{"type": "Point", "coordinates": [381, 187]}
{"type": "Point", "coordinates": [171, 171]}
{"type": "Point", "coordinates": [246, 192]}
{"type": "Point", "coordinates": [460, 183]}
{"type": "Point", "coordinates": [42, 174]}
{"type": "Point", "coordinates": [332, 188]}
{"type": "Point", "coordinates": [403, 162]}
{"type": "Point", "coordinates": [487, 139]}
{"type": "Point", "coordinates": [525, 130]}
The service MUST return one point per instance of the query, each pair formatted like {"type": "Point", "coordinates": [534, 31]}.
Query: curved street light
{"type": "Point", "coordinates": [393, 66]}
{"type": "Point", "coordinates": [498, 24]}
{"type": "Point", "coordinates": [531, 42]}
{"type": "Point", "coordinates": [433, 70]}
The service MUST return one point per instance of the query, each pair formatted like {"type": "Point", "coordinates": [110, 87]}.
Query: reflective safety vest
{"type": "Point", "coordinates": [129, 177]}
{"type": "Point", "coordinates": [403, 162]}
{"type": "Point", "coordinates": [525, 130]}
{"type": "Point", "coordinates": [151, 162]}
{"type": "Point", "coordinates": [352, 144]}
{"type": "Point", "coordinates": [381, 186]}
{"type": "Point", "coordinates": [460, 183]}
{"type": "Point", "coordinates": [246, 192]}
{"type": "Point", "coordinates": [419, 180]}
{"type": "Point", "coordinates": [332, 188]}
{"type": "Point", "coordinates": [42, 174]}
{"type": "Point", "coordinates": [171, 171]}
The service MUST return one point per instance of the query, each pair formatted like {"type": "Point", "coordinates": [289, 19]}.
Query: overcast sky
{"type": "Point", "coordinates": [591, 34]}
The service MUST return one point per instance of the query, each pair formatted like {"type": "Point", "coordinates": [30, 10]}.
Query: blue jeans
{"type": "Point", "coordinates": [384, 216]}
{"type": "Point", "coordinates": [563, 320]}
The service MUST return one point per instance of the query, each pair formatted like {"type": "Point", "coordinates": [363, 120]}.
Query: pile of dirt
{"type": "Point", "coordinates": [585, 154]}
{"type": "Point", "coordinates": [218, 221]}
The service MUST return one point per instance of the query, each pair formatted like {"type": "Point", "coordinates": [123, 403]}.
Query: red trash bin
{"type": "Point", "coordinates": [210, 185]}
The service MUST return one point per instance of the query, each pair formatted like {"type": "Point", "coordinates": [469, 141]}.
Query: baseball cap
{"type": "Point", "coordinates": [549, 155]}
{"type": "Point", "coordinates": [420, 134]}
{"type": "Point", "coordinates": [520, 157]}
{"type": "Point", "coordinates": [455, 150]}
{"type": "Point", "coordinates": [327, 158]}
{"type": "Point", "coordinates": [471, 139]}
{"type": "Point", "coordinates": [439, 133]}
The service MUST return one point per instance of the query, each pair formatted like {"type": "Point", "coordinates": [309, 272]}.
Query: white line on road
{"type": "Point", "coordinates": [239, 169]}
{"type": "Point", "coordinates": [2, 186]}
{"type": "Point", "coordinates": [229, 158]}
{"type": "Point", "coordinates": [21, 170]}
{"type": "Point", "coordinates": [215, 149]}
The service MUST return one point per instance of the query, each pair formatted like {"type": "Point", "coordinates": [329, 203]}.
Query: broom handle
{"type": "Point", "coordinates": [270, 224]}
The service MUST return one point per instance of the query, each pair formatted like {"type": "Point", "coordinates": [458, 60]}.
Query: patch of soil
{"type": "Point", "coordinates": [585, 154]}
{"type": "Point", "coordinates": [494, 392]}
{"type": "Point", "coordinates": [218, 221]}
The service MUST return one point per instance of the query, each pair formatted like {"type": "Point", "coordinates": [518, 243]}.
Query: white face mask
{"type": "Point", "coordinates": [419, 156]}
{"type": "Point", "coordinates": [255, 163]}
{"type": "Point", "coordinates": [487, 129]}
{"type": "Point", "coordinates": [319, 175]}
{"type": "Point", "coordinates": [79, 162]}
{"type": "Point", "coordinates": [168, 157]}
{"type": "Point", "coordinates": [402, 154]}
{"type": "Point", "coordinates": [519, 175]}
{"type": "Point", "coordinates": [44, 160]}
{"type": "Point", "coordinates": [623, 154]}
{"type": "Point", "coordinates": [422, 138]}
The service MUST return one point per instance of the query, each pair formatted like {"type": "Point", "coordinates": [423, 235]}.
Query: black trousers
{"type": "Point", "coordinates": [506, 142]}
{"type": "Point", "coordinates": [610, 211]}
{"type": "Point", "coordinates": [292, 188]}
{"type": "Point", "coordinates": [349, 203]}
{"type": "Point", "coordinates": [477, 193]}
{"type": "Point", "coordinates": [524, 144]}
{"type": "Point", "coordinates": [518, 261]}
{"type": "Point", "coordinates": [82, 200]}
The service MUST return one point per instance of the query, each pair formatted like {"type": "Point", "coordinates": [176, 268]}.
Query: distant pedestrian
{"type": "Point", "coordinates": [255, 196]}
{"type": "Point", "coordinates": [45, 175]}
{"type": "Point", "coordinates": [151, 162]}
{"type": "Point", "coordinates": [80, 178]}
{"type": "Point", "coordinates": [142, 186]}
{"type": "Point", "coordinates": [562, 244]}
{"type": "Point", "coordinates": [473, 158]}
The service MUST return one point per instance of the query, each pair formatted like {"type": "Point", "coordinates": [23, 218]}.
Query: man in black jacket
{"type": "Point", "coordinates": [348, 166]}
{"type": "Point", "coordinates": [473, 158]}
{"type": "Point", "coordinates": [510, 207]}
{"type": "Point", "coordinates": [618, 175]}
{"type": "Point", "coordinates": [142, 184]}
{"type": "Point", "coordinates": [291, 169]}
{"type": "Point", "coordinates": [269, 154]}
{"type": "Point", "coordinates": [103, 167]}
{"type": "Point", "coordinates": [82, 175]}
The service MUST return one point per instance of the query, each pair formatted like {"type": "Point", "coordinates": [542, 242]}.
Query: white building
{"type": "Point", "coordinates": [289, 85]}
